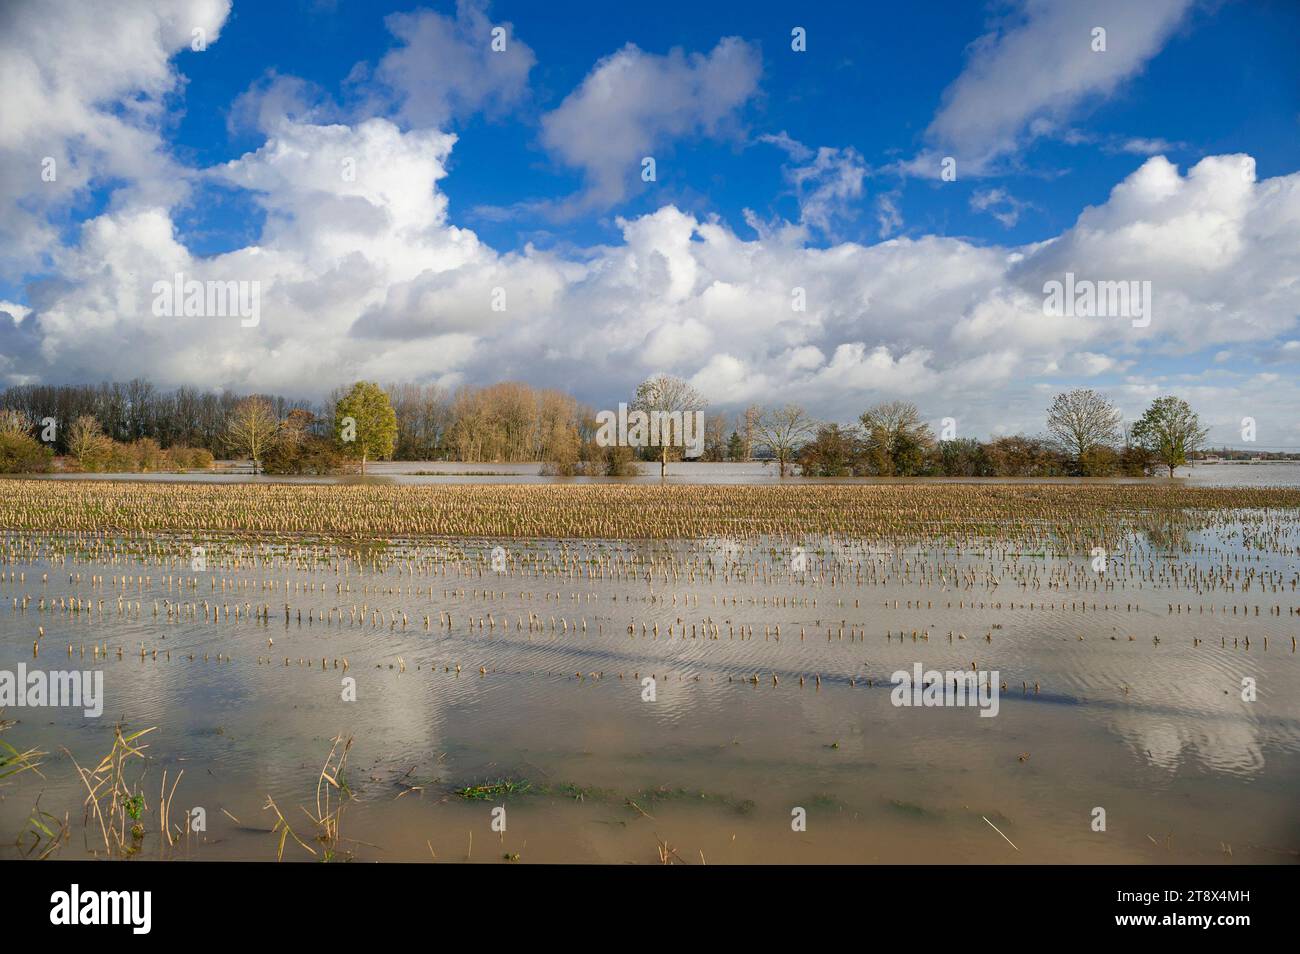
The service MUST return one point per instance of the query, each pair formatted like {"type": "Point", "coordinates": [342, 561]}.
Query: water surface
{"type": "Point", "coordinates": [1221, 474]}
{"type": "Point", "coordinates": [1123, 691]}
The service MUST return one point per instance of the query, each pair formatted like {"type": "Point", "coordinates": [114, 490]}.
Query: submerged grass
{"type": "Point", "coordinates": [491, 790]}
{"type": "Point", "coordinates": [115, 800]}
{"type": "Point", "coordinates": [12, 761]}
{"type": "Point", "coordinates": [911, 809]}
{"type": "Point", "coordinates": [46, 833]}
{"type": "Point", "coordinates": [663, 794]}
{"type": "Point", "coordinates": [332, 796]}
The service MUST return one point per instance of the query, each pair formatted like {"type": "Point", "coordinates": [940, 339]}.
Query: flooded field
{"type": "Point", "coordinates": [417, 473]}
{"type": "Point", "coordinates": [640, 674]}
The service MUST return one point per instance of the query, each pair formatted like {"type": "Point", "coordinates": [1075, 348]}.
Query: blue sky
{"type": "Point", "coordinates": [775, 169]}
{"type": "Point", "coordinates": [872, 77]}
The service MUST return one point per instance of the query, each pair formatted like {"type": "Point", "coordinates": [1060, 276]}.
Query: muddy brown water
{"type": "Point", "coordinates": [1113, 699]}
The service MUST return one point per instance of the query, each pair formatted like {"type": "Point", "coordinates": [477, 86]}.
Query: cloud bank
{"type": "Point", "coordinates": [365, 274]}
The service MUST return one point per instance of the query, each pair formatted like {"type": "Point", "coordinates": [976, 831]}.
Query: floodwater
{"type": "Point", "coordinates": [1218, 474]}
{"type": "Point", "coordinates": [772, 698]}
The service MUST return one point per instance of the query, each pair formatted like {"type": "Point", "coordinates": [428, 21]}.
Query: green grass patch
{"type": "Point", "coordinates": [492, 790]}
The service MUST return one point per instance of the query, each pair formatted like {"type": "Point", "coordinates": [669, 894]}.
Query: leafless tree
{"type": "Point", "coordinates": [15, 422]}
{"type": "Point", "coordinates": [748, 421]}
{"type": "Point", "coordinates": [715, 437]}
{"type": "Point", "coordinates": [1081, 421]}
{"type": "Point", "coordinates": [252, 428]}
{"type": "Point", "coordinates": [782, 431]}
{"type": "Point", "coordinates": [85, 437]}
{"type": "Point", "coordinates": [423, 416]}
{"type": "Point", "coordinates": [665, 394]}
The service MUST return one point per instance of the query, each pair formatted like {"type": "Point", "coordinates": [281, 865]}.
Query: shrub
{"type": "Point", "coordinates": [307, 454]}
{"type": "Point", "coordinates": [597, 461]}
{"type": "Point", "coordinates": [834, 452]}
{"type": "Point", "coordinates": [146, 455]}
{"type": "Point", "coordinates": [189, 458]}
{"type": "Point", "coordinates": [1099, 461]}
{"type": "Point", "coordinates": [21, 454]}
{"type": "Point", "coordinates": [95, 454]}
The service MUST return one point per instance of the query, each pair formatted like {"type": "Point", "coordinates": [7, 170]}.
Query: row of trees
{"type": "Point", "coordinates": [1084, 437]}
{"type": "Point", "coordinates": [363, 422]}
{"type": "Point", "coordinates": [137, 427]}
{"type": "Point", "coordinates": [134, 410]}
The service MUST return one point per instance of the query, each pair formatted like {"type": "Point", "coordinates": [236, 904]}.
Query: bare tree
{"type": "Point", "coordinates": [131, 411]}
{"type": "Point", "coordinates": [783, 431]}
{"type": "Point", "coordinates": [15, 422]}
{"type": "Point", "coordinates": [673, 397]}
{"type": "Point", "coordinates": [1081, 421]}
{"type": "Point", "coordinates": [85, 438]}
{"type": "Point", "coordinates": [251, 428]}
{"type": "Point", "coordinates": [715, 437]}
{"type": "Point", "coordinates": [748, 421]}
{"type": "Point", "coordinates": [423, 415]}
